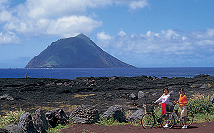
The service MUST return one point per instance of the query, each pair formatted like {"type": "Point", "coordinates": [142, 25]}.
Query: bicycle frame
{"type": "Point", "coordinates": [173, 116]}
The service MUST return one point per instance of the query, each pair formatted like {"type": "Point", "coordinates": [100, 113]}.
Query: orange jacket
{"type": "Point", "coordinates": [182, 100]}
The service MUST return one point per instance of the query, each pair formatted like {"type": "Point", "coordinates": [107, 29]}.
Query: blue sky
{"type": "Point", "coordinates": [143, 33]}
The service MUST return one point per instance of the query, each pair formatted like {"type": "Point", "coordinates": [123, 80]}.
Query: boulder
{"type": "Point", "coordinates": [26, 123]}
{"type": "Point", "coordinates": [137, 115]}
{"type": "Point", "coordinates": [6, 97]}
{"type": "Point", "coordinates": [85, 114]}
{"type": "Point", "coordinates": [79, 120]}
{"type": "Point", "coordinates": [12, 129]}
{"type": "Point", "coordinates": [116, 112]}
{"type": "Point", "coordinates": [204, 86]}
{"type": "Point", "coordinates": [133, 96]}
{"type": "Point", "coordinates": [56, 116]}
{"type": "Point", "coordinates": [39, 121]}
{"type": "Point", "coordinates": [141, 94]}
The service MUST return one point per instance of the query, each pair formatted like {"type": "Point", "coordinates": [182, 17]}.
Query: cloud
{"type": "Point", "coordinates": [121, 33]}
{"type": "Point", "coordinates": [50, 17]}
{"type": "Point", "coordinates": [64, 27]}
{"type": "Point", "coordinates": [166, 43]}
{"type": "Point", "coordinates": [103, 36]}
{"type": "Point", "coordinates": [56, 18]}
{"type": "Point", "coordinates": [57, 8]}
{"type": "Point", "coordinates": [72, 25]}
{"type": "Point", "coordinates": [132, 4]}
{"type": "Point", "coordinates": [9, 37]}
{"type": "Point", "coordinates": [138, 4]}
{"type": "Point", "coordinates": [3, 4]}
{"type": "Point", "coordinates": [5, 16]}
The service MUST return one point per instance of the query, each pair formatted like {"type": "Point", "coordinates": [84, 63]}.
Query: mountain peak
{"type": "Point", "coordinates": [81, 35]}
{"type": "Point", "coordinates": [75, 52]}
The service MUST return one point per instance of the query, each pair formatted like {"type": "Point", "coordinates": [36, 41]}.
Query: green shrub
{"type": "Point", "coordinates": [109, 122]}
{"type": "Point", "coordinates": [58, 128]}
{"type": "Point", "coordinates": [12, 117]}
{"type": "Point", "coordinates": [199, 118]}
{"type": "Point", "coordinates": [200, 104]}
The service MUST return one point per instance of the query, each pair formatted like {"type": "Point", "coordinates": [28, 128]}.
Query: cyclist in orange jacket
{"type": "Point", "coordinates": [182, 106]}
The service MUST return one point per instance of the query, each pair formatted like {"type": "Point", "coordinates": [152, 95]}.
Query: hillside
{"type": "Point", "coordinates": [75, 52]}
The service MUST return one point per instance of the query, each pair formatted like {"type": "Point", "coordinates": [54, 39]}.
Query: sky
{"type": "Point", "coordinates": [143, 33]}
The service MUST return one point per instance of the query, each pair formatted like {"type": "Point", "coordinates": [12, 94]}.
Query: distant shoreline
{"type": "Point", "coordinates": [73, 73]}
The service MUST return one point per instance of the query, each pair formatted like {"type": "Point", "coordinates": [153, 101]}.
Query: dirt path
{"type": "Point", "coordinates": [207, 127]}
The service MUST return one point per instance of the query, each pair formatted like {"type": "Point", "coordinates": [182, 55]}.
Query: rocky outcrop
{"type": "Point", "coordinates": [35, 123]}
{"type": "Point", "coordinates": [39, 121]}
{"type": "Point", "coordinates": [116, 112]}
{"type": "Point", "coordinates": [12, 129]}
{"type": "Point", "coordinates": [137, 115]}
{"type": "Point", "coordinates": [133, 96]}
{"type": "Point", "coordinates": [56, 117]}
{"type": "Point", "coordinates": [85, 114]}
{"type": "Point", "coordinates": [26, 123]}
{"type": "Point", "coordinates": [6, 97]}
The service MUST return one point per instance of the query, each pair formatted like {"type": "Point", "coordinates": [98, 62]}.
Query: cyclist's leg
{"type": "Point", "coordinates": [167, 120]}
{"type": "Point", "coordinates": [188, 117]}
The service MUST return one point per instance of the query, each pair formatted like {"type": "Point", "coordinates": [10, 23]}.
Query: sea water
{"type": "Point", "coordinates": [73, 73]}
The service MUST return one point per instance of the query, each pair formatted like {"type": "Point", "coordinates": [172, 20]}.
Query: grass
{"type": "Point", "coordinates": [12, 117]}
{"type": "Point", "coordinates": [78, 95]}
{"type": "Point", "coordinates": [109, 122]}
{"type": "Point", "coordinates": [200, 118]}
{"type": "Point", "coordinates": [58, 128]}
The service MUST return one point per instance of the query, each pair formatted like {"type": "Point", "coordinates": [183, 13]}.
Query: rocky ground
{"type": "Point", "coordinates": [30, 94]}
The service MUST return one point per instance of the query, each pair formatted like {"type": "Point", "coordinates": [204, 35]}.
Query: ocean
{"type": "Point", "coordinates": [73, 73]}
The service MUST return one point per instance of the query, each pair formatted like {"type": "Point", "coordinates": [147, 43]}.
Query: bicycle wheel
{"type": "Point", "coordinates": [189, 117]}
{"type": "Point", "coordinates": [167, 118]}
{"type": "Point", "coordinates": [147, 120]}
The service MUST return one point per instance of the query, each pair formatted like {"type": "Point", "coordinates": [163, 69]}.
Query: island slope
{"type": "Point", "coordinates": [75, 52]}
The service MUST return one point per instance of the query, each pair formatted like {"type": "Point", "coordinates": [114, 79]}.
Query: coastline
{"type": "Point", "coordinates": [73, 73]}
{"type": "Point", "coordinates": [30, 94]}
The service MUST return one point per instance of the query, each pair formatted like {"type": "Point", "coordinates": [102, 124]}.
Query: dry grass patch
{"type": "Point", "coordinates": [82, 96]}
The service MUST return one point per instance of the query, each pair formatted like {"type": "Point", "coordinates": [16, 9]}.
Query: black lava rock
{"type": "Point", "coordinates": [56, 116]}
{"type": "Point", "coordinates": [116, 112]}
{"type": "Point", "coordinates": [85, 114]}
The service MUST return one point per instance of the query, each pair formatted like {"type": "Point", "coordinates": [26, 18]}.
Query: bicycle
{"type": "Point", "coordinates": [150, 118]}
{"type": "Point", "coordinates": [172, 116]}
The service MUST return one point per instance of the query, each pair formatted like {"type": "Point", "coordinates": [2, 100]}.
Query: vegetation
{"type": "Point", "coordinates": [202, 108]}
{"type": "Point", "coordinates": [87, 131]}
{"type": "Point", "coordinates": [12, 117]}
{"type": "Point", "coordinates": [109, 122]}
{"type": "Point", "coordinates": [200, 104]}
{"type": "Point", "coordinates": [58, 128]}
